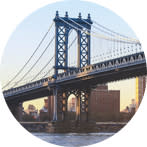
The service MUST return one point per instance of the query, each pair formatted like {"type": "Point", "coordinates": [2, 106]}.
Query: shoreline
{"type": "Point", "coordinates": [73, 127]}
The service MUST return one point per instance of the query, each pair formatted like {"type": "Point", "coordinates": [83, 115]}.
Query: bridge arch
{"type": "Point", "coordinates": [63, 25]}
{"type": "Point", "coordinates": [72, 107]}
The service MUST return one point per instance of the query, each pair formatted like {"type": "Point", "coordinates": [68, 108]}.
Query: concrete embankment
{"type": "Point", "coordinates": [73, 126]}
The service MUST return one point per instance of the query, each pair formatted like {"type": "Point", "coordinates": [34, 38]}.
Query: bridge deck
{"type": "Point", "coordinates": [111, 70]}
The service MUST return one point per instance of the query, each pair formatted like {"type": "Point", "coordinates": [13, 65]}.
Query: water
{"type": "Point", "coordinates": [73, 139]}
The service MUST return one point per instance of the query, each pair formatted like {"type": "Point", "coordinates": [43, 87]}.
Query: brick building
{"type": "Point", "coordinates": [104, 104]}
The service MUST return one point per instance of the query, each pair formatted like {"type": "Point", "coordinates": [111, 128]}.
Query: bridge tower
{"type": "Point", "coordinates": [63, 25]}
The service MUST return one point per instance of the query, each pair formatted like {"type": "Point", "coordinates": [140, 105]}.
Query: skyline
{"type": "Point", "coordinates": [22, 38]}
{"type": "Point", "coordinates": [125, 97]}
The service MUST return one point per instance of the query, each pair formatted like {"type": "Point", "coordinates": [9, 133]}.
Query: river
{"type": "Point", "coordinates": [73, 139]}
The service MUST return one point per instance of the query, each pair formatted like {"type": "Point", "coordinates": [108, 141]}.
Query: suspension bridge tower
{"type": "Point", "coordinates": [63, 25]}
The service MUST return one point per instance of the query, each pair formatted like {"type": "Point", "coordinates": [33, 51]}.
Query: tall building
{"type": "Point", "coordinates": [140, 89]}
{"type": "Point", "coordinates": [45, 107]}
{"type": "Point", "coordinates": [32, 111]}
{"type": "Point", "coordinates": [44, 115]}
{"type": "Point", "coordinates": [104, 104]}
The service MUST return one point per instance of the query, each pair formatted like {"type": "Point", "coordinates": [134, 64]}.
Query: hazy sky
{"type": "Point", "coordinates": [25, 38]}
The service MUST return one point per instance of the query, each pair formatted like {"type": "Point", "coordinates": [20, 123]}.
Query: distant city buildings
{"type": "Point", "coordinates": [72, 104]}
{"type": "Point", "coordinates": [132, 106]}
{"type": "Point", "coordinates": [45, 107]}
{"type": "Point", "coordinates": [129, 111]}
{"type": "Point", "coordinates": [140, 89]}
{"type": "Point", "coordinates": [32, 114]}
{"type": "Point", "coordinates": [103, 104]}
{"type": "Point", "coordinates": [126, 110]}
{"type": "Point", "coordinates": [44, 115]}
{"type": "Point", "coordinates": [32, 111]}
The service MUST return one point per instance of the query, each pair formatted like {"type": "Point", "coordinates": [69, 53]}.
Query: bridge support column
{"type": "Point", "coordinates": [84, 98]}
{"type": "Point", "coordinates": [56, 105]}
{"type": "Point", "coordinates": [78, 109]}
{"type": "Point", "coordinates": [60, 105]}
{"type": "Point", "coordinates": [50, 107]}
{"type": "Point", "coordinates": [55, 91]}
{"type": "Point", "coordinates": [16, 110]}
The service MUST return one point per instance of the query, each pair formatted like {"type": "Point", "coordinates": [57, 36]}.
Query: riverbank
{"type": "Point", "coordinates": [73, 127]}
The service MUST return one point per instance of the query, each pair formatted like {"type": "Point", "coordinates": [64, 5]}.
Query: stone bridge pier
{"type": "Point", "coordinates": [16, 109]}
{"type": "Point", "coordinates": [58, 104]}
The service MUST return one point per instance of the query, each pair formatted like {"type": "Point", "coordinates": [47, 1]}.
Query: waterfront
{"type": "Point", "coordinates": [73, 139]}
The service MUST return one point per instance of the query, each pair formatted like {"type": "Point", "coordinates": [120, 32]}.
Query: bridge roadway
{"type": "Point", "coordinates": [112, 70]}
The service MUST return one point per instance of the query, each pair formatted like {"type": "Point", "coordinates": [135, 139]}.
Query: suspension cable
{"type": "Point", "coordinates": [72, 42]}
{"type": "Point", "coordinates": [18, 73]}
{"type": "Point", "coordinates": [110, 30]}
{"type": "Point", "coordinates": [98, 28]}
{"type": "Point", "coordinates": [42, 69]}
{"type": "Point", "coordinates": [35, 62]}
{"type": "Point", "coordinates": [104, 28]}
{"type": "Point", "coordinates": [50, 61]}
{"type": "Point", "coordinates": [46, 66]}
{"type": "Point", "coordinates": [47, 73]}
{"type": "Point", "coordinates": [94, 35]}
{"type": "Point", "coordinates": [126, 38]}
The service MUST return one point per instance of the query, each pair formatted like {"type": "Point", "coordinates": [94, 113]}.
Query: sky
{"type": "Point", "coordinates": [27, 35]}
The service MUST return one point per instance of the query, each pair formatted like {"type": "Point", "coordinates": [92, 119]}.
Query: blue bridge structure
{"type": "Point", "coordinates": [126, 60]}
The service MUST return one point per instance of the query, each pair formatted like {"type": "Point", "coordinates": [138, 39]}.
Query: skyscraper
{"type": "Point", "coordinates": [140, 89]}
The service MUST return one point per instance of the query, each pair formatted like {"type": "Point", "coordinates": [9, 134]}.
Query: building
{"type": "Point", "coordinates": [72, 104]}
{"type": "Point", "coordinates": [32, 111]}
{"type": "Point", "coordinates": [104, 104]}
{"type": "Point", "coordinates": [132, 107]}
{"type": "Point", "coordinates": [140, 89]}
{"type": "Point", "coordinates": [45, 107]}
{"type": "Point", "coordinates": [44, 115]}
{"type": "Point", "coordinates": [128, 112]}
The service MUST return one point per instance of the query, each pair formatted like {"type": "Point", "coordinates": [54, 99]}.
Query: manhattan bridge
{"type": "Point", "coordinates": [119, 57]}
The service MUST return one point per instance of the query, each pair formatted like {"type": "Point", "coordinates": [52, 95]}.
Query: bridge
{"type": "Point", "coordinates": [126, 60]}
